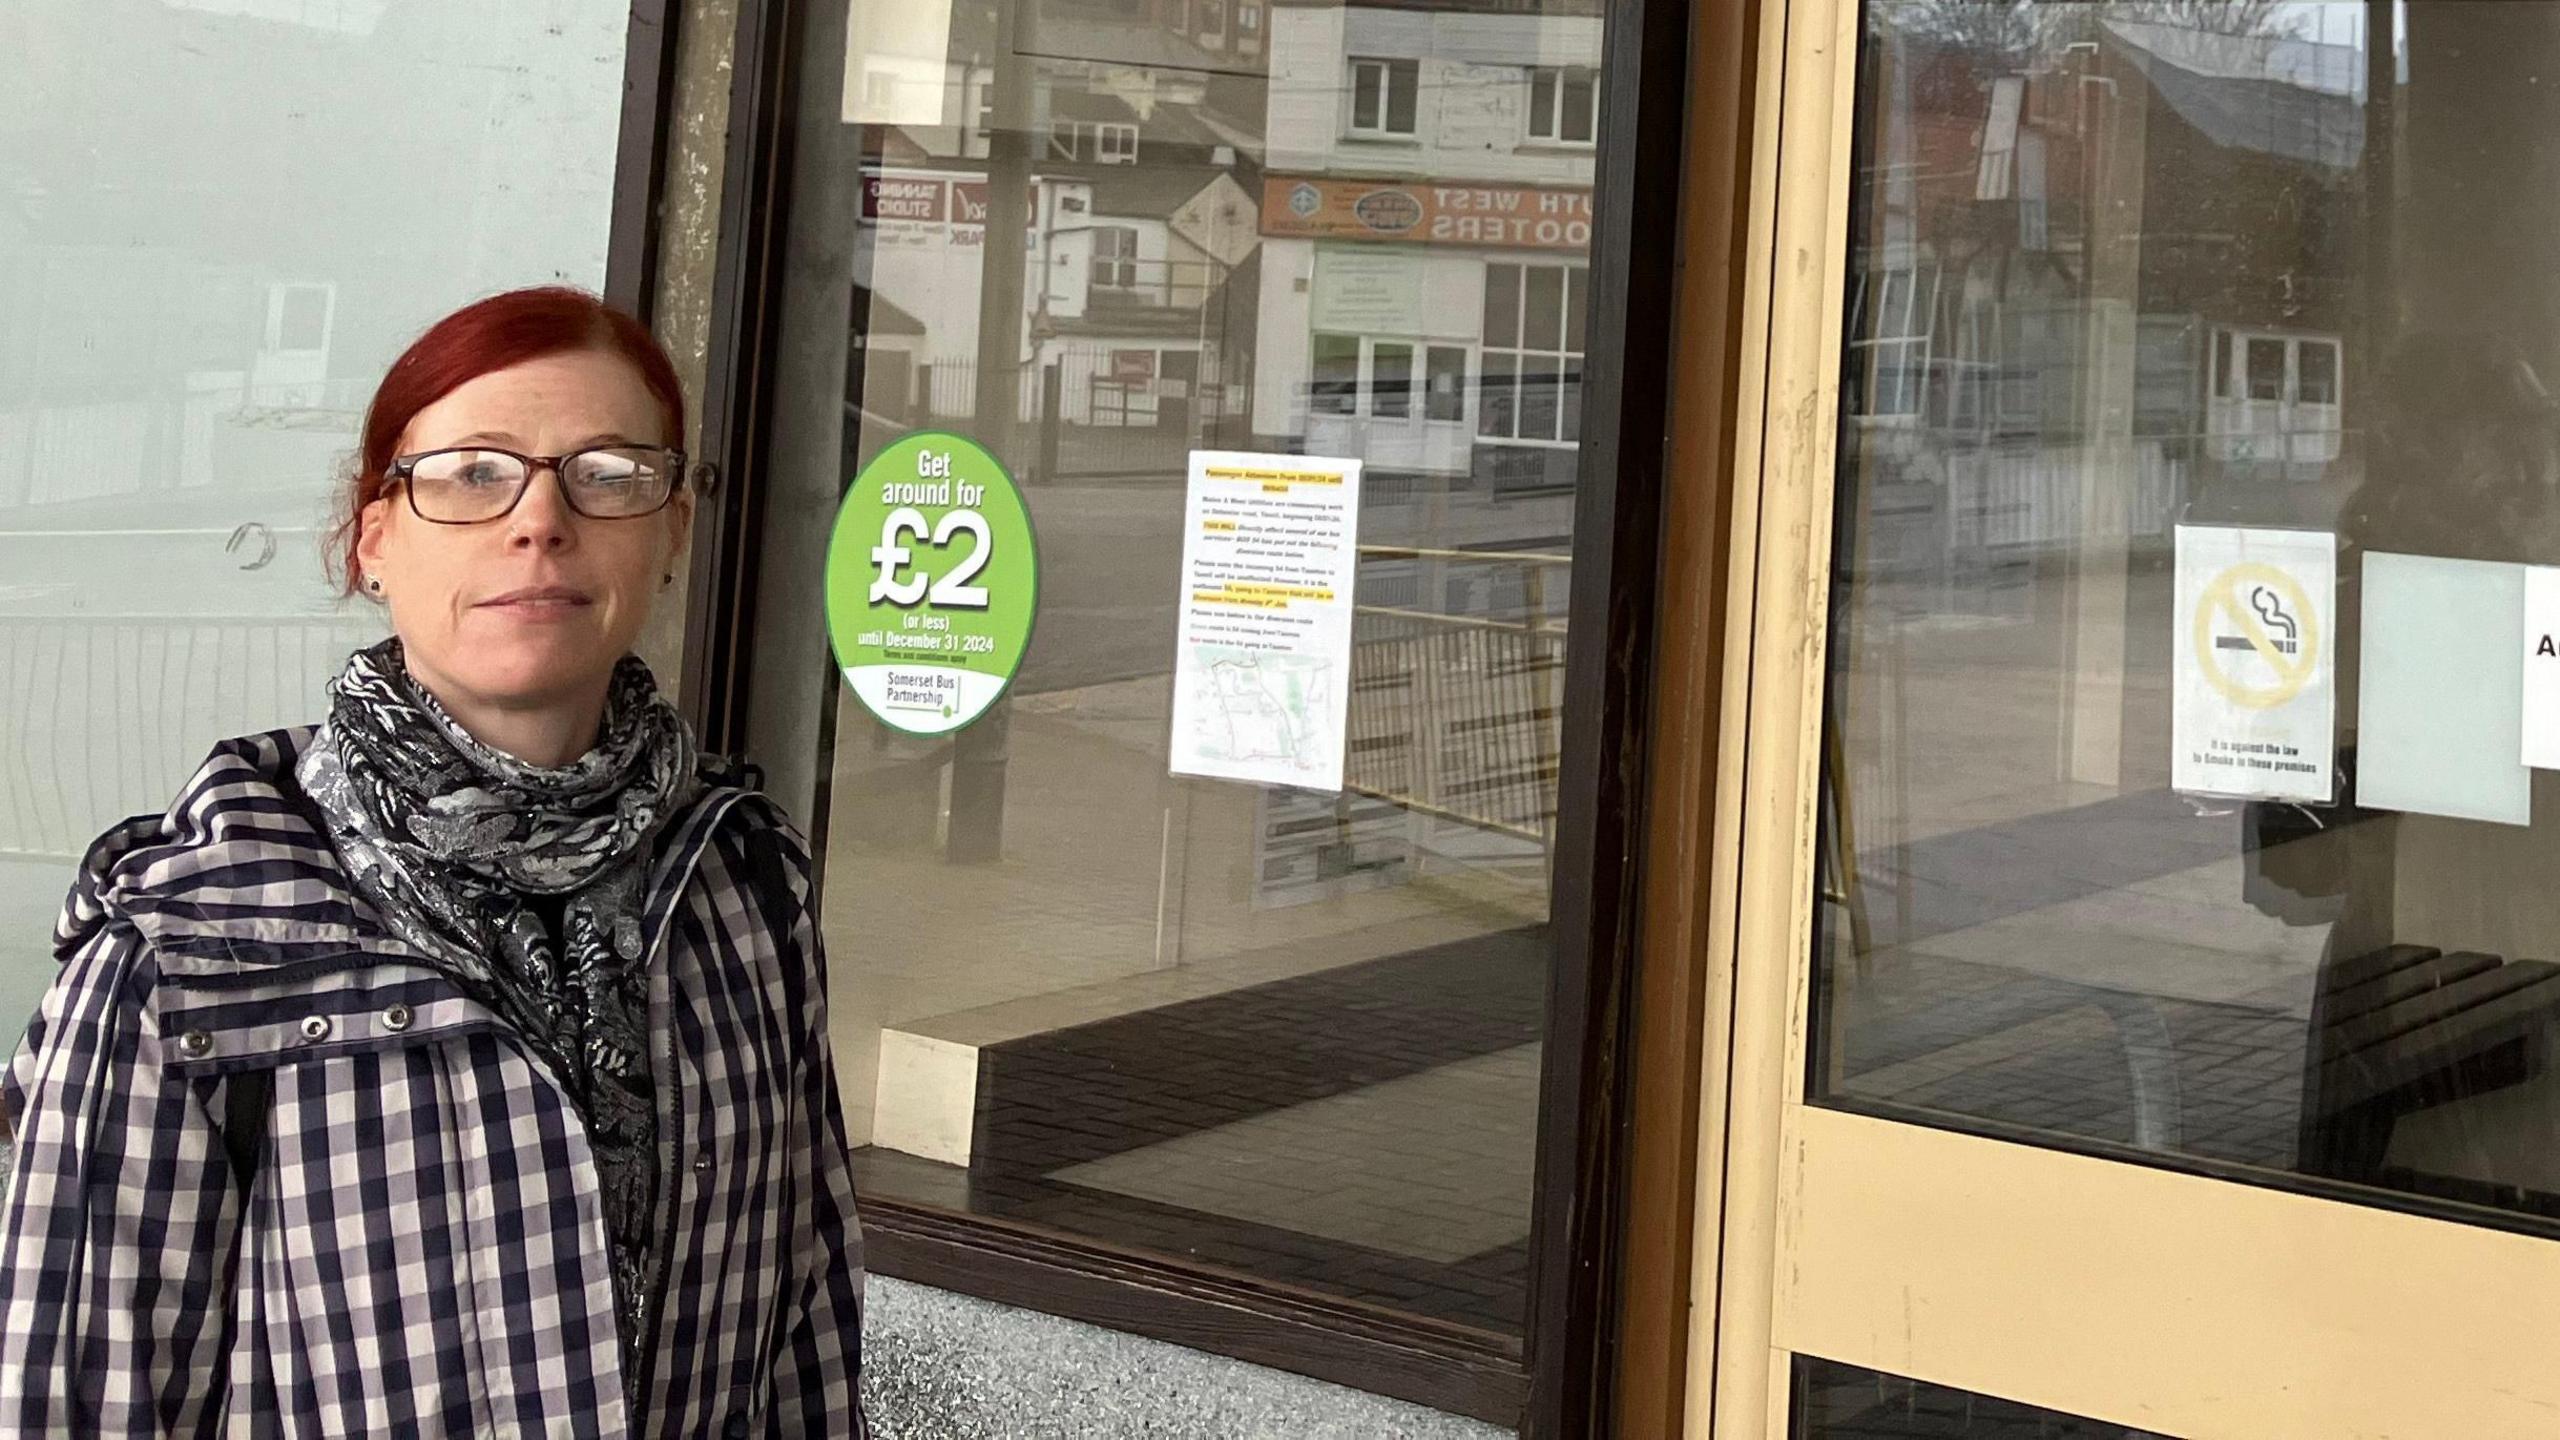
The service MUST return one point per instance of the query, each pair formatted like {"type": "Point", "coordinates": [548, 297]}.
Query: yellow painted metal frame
{"type": "Point", "coordinates": [2172, 1303]}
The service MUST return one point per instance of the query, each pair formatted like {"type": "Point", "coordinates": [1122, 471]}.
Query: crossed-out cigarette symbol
{"type": "Point", "coordinates": [2261, 610]}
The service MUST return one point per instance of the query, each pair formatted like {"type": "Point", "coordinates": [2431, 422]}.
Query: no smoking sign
{"type": "Point", "coordinates": [2254, 683]}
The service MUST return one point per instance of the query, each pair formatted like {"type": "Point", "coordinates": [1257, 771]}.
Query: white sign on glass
{"type": "Point", "coordinates": [2255, 663]}
{"type": "Point", "coordinates": [1262, 665]}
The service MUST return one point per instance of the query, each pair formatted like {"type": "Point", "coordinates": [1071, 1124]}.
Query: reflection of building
{"type": "Point", "coordinates": [2033, 226]}
{"type": "Point", "coordinates": [1426, 221]}
{"type": "Point", "coordinates": [1142, 153]}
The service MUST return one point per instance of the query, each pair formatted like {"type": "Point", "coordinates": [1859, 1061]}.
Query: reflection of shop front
{"type": "Point", "coordinates": [1127, 324]}
{"type": "Point", "coordinates": [1435, 329]}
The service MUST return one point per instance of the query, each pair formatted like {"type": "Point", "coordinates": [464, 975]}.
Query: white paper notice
{"type": "Point", "coordinates": [2256, 666]}
{"type": "Point", "coordinates": [2440, 707]}
{"type": "Point", "coordinates": [2542, 667]}
{"type": "Point", "coordinates": [1262, 665]}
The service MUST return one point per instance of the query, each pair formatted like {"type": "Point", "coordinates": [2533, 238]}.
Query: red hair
{"type": "Point", "coordinates": [485, 336]}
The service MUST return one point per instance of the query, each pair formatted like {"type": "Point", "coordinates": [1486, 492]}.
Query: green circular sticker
{"type": "Point", "coordinates": [932, 580]}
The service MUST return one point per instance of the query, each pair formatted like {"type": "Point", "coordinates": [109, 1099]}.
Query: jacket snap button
{"type": "Point", "coordinates": [195, 1044]}
{"type": "Point", "coordinates": [702, 1162]}
{"type": "Point", "coordinates": [315, 1027]}
{"type": "Point", "coordinates": [736, 1429]}
{"type": "Point", "coordinates": [396, 1019]}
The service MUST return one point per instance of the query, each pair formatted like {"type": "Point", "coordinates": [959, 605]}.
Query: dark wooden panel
{"type": "Point", "coordinates": [2357, 970]}
{"type": "Point", "coordinates": [2407, 982]}
{"type": "Point", "coordinates": [2432, 1008]}
{"type": "Point", "coordinates": [2440, 1048]}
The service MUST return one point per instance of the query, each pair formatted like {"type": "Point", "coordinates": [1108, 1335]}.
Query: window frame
{"type": "Point", "coordinates": [1382, 127]}
{"type": "Point", "coordinates": [1557, 1379]}
{"type": "Point", "coordinates": [1420, 353]}
{"type": "Point", "coordinates": [1574, 282]}
{"type": "Point", "coordinates": [1123, 259]}
{"type": "Point", "coordinates": [1559, 80]}
{"type": "Point", "coordinates": [978, 112]}
{"type": "Point", "coordinates": [1898, 320]}
{"type": "Point", "coordinates": [1091, 142]}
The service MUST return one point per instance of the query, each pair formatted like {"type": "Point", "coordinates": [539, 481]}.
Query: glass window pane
{"type": "Point", "coordinates": [1404, 84]}
{"type": "Point", "coordinates": [2266, 369]}
{"type": "Point", "coordinates": [1273, 999]}
{"type": "Point", "coordinates": [2151, 817]}
{"type": "Point", "coordinates": [1893, 300]}
{"type": "Point", "coordinates": [1391, 380]}
{"type": "Point", "coordinates": [183, 373]}
{"type": "Point", "coordinates": [2319, 362]}
{"type": "Point", "coordinates": [1498, 408]}
{"type": "Point", "coordinates": [1540, 408]}
{"type": "Point", "coordinates": [1368, 79]}
{"type": "Point", "coordinates": [1335, 388]}
{"type": "Point", "coordinates": [1501, 304]}
{"type": "Point", "coordinates": [1581, 106]}
{"type": "Point", "coordinates": [1445, 382]}
{"type": "Point", "coordinates": [1542, 316]}
{"type": "Point", "coordinates": [1577, 303]}
{"type": "Point", "coordinates": [1542, 103]}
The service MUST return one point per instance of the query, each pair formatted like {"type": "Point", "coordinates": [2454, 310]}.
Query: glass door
{"type": "Point", "coordinates": [2143, 900]}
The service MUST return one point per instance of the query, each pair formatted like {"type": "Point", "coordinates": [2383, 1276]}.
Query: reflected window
{"type": "Point", "coordinates": [1890, 329]}
{"type": "Point", "coordinates": [1384, 96]}
{"type": "Point", "coordinates": [302, 317]}
{"type": "Point", "coordinates": [1532, 327]}
{"type": "Point", "coordinates": [2266, 369]}
{"type": "Point", "coordinates": [1445, 384]}
{"type": "Point", "coordinates": [1564, 104]}
{"type": "Point", "coordinates": [1335, 388]}
{"type": "Point", "coordinates": [2318, 369]}
{"type": "Point", "coordinates": [1115, 257]}
{"type": "Point", "coordinates": [1100, 142]}
{"type": "Point", "coordinates": [1391, 380]}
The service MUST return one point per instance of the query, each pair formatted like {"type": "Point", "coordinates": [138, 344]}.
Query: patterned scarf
{"type": "Point", "coordinates": [474, 856]}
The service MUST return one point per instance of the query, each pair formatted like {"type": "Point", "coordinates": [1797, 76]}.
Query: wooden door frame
{"type": "Point", "coordinates": [1681, 1006]}
{"type": "Point", "coordinates": [2114, 1286]}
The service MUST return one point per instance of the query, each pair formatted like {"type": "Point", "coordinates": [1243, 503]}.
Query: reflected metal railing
{"type": "Point", "coordinates": [108, 715]}
{"type": "Point", "coordinates": [1456, 716]}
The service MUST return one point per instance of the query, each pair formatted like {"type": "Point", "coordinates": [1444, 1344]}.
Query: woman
{"type": "Point", "coordinates": [460, 1066]}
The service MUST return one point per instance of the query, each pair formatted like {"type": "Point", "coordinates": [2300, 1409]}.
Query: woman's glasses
{"type": "Point", "coordinates": [606, 482]}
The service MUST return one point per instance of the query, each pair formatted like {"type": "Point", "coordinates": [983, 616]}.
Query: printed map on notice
{"type": "Point", "coordinates": [1264, 710]}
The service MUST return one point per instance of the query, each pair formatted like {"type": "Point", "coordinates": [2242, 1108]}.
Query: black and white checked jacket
{"type": "Point", "coordinates": [422, 1249]}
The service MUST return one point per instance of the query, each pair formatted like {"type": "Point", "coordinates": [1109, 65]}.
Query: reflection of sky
{"type": "Point", "coordinates": [349, 17]}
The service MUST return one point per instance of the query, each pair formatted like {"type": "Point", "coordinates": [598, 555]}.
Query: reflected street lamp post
{"type": "Point", "coordinates": [979, 754]}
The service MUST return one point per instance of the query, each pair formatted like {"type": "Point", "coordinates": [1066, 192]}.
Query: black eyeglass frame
{"type": "Point", "coordinates": [404, 469]}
